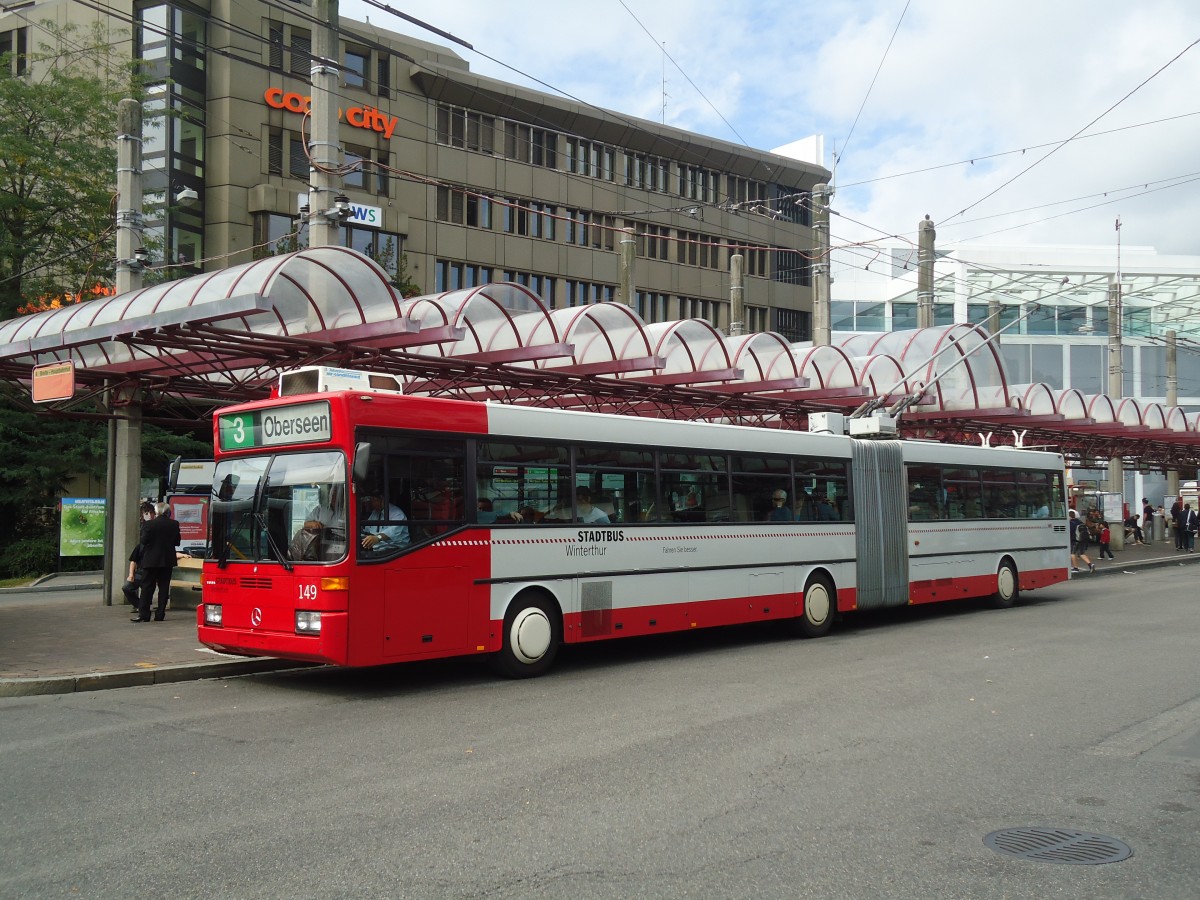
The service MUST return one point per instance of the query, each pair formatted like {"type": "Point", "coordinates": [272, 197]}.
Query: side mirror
{"type": "Point", "coordinates": [362, 462]}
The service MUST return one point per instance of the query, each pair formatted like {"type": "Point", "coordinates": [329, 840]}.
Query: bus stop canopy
{"type": "Point", "coordinates": [225, 336]}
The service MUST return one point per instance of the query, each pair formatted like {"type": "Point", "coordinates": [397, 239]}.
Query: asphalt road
{"type": "Point", "coordinates": [721, 764]}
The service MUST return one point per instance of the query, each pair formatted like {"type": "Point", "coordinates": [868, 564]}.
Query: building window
{"type": "Point", "coordinates": [794, 205]}
{"type": "Point", "coordinates": [301, 52]}
{"type": "Point", "coordinates": [756, 319]}
{"type": "Point", "coordinates": [792, 268]}
{"type": "Point", "coordinates": [356, 67]}
{"type": "Point", "coordinates": [699, 308]}
{"type": "Point", "coordinates": [285, 154]}
{"type": "Point", "coordinates": [653, 241]}
{"type": "Point", "coordinates": [584, 293]}
{"type": "Point", "coordinates": [535, 146]}
{"type": "Point", "coordinates": [542, 285]}
{"type": "Point", "coordinates": [464, 208]}
{"type": "Point", "coordinates": [744, 190]}
{"type": "Point", "coordinates": [370, 172]}
{"type": "Point", "coordinates": [383, 73]}
{"type": "Point", "coordinates": [695, 249]}
{"type": "Point", "coordinates": [652, 307]}
{"type": "Point", "coordinates": [793, 324]}
{"type": "Point", "coordinates": [453, 276]}
{"type": "Point", "coordinates": [577, 226]}
{"type": "Point", "coordinates": [591, 159]}
{"type": "Point", "coordinates": [385, 247]}
{"type": "Point", "coordinates": [754, 260]}
{"type": "Point", "coordinates": [529, 219]}
{"type": "Point", "coordinates": [16, 43]}
{"type": "Point", "coordinates": [696, 183]}
{"type": "Point", "coordinates": [457, 127]}
{"type": "Point", "coordinates": [277, 233]}
{"type": "Point", "coordinates": [649, 173]}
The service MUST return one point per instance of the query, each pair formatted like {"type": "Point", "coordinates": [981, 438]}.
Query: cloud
{"type": "Point", "coordinates": [961, 82]}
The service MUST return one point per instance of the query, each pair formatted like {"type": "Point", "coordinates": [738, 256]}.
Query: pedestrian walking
{"type": "Point", "coordinates": [1105, 537]}
{"type": "Point", "coordinates": [1077, 533]}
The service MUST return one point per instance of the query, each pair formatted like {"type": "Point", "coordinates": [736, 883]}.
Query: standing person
{"type": "Point", "coordinates": [133, 581]}
{"type": "Point", "coordinates": [1077, 530]}
{"type": "Point", "coordinates": [160, 537]}
{"type": "Point", "coordinates": [1147, 521]}
{"type": "Point", "coordinates": [1188, 523]}
{"type": "Point", "coordinates": [1176, 513]}
{"type": "Point", "coordinates": [1105, 537]}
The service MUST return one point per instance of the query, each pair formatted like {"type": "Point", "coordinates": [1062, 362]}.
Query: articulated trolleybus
{"type": "Point", "coordinates": [353, 525]}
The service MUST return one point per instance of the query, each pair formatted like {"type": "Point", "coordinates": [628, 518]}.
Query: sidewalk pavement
{"type": "Point", "coordinates": [57, 637]}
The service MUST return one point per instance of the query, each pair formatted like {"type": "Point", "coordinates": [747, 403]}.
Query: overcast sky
{"type": "Point", "coordinates": [977, 93]}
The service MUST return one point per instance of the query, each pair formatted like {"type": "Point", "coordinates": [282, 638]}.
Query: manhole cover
{"type": "Point", "coordinates": [1058, 845]}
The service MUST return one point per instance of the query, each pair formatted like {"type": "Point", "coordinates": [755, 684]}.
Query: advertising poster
{"type": "Point", "coordinates": [192, 515]}
{"type": "Point", "coordinates": [81, 527]}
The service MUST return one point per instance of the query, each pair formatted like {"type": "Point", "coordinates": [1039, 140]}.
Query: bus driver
{"type": "Point", "coordinates": [378, 537]}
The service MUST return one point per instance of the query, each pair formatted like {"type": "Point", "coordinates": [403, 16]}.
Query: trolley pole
{"type": "Point", "coordinates": [125, 429]}
{"type": "Point", "coordinates": [822, 327]}
{"type": "Point", "coordinates": [628, 257]}
{"type": "Point", "coordinates": [925, 240]}
{"type": "Point", "coordinates": [1172, 400]}
{"type": "Point", "coordinates": [323, 146]}
{"type": "Point", "coordinates": [737, 296]}
{"type": "Point", "coordinates": [1116, 469]}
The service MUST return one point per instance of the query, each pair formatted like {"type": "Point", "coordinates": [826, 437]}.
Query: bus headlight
{"type": "Point", "coordinates": [308, 622]}
{"type": "Point", "coordinates": [212, 614]}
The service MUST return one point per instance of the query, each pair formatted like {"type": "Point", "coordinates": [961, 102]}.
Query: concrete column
{"type": "Point", "coordinates": [993, 319]}
{"type": "Point", "coordinates": [129, 196]}
{"type": "Point", "coordinates": [626, 290]}
{"type": "Point", "coordinates": [926, 235]}
{"type": "Point", "coordinates": [821, 317]}
{"type": "Point", "coordinates": [126, 485]}
{"type": "Point", "coordinates": [323, 145]}
{"type": "Point", "coordinates": [1172, 400]}
{"type": "Point", "coordinates": [1116, 469]}
{"type": "Point", "coordinates": [737, 295]}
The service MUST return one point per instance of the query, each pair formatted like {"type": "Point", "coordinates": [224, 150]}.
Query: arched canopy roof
{"type": "Point", "coordinates": [318, 289]}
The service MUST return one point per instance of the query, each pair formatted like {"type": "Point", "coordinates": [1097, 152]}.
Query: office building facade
{"type": "Point", "coordinates": [454, 179]}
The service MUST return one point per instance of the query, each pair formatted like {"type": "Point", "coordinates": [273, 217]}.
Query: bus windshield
{"type": "Point", "coordinates": [289, 508]}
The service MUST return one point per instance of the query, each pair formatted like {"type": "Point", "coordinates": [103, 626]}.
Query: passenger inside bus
{"type": "Point", "coordinates": [585, 511]}
{"type": "Point", "coordinates": [780, 511]}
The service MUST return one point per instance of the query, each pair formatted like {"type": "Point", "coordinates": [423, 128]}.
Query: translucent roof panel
{"type": "Point", "coordinates": [304, 292]}
{"type": "Point", "coordinates": [763, 356]}
{"type": "Point", "coordinates": [599, 332]}
{"type": "Point", "coordinates": [689, 345]}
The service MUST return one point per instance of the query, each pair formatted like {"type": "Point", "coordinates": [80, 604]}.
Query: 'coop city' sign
{"type": "Point", "coordinates": [365, 117]}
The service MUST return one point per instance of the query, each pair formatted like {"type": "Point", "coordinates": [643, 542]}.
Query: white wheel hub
{"type": "Point", "coordinates": [816, 604]}
{"type": "Point", "coordinates": [529, 636]}
{"type": "Point", "coordinates": [1005, 582]}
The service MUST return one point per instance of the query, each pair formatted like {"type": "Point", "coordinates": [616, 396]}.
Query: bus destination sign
{"type": "Point", "coordinates": [304, 423]}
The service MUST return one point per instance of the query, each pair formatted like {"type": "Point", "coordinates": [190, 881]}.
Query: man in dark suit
{"type": "Point", "coordinates": [160, 537]}
{"type": "Point", "coordinates": [1187, 520]}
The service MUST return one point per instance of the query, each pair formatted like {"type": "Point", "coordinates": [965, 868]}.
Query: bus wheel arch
{"type": "Point", "coordinates": [532, 635]}
{"type": "Point", "coordinates": [1008, 584]}
{"type": "Point", "coordinates": [820, 605]}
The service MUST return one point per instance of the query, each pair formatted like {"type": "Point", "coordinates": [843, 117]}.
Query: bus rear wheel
{"type": "Point", "coordinates": [532, 634]}
{"type": "Point", "coordinates": [1008, 586]}
{"type": "Point", "coordinates": [820, 606]}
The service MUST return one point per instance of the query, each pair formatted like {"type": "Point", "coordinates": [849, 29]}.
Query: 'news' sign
{"type": "Point", "coordinates": [359, 214]}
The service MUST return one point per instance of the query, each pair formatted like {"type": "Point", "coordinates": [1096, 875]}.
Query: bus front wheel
{"type": "Point", "coordinates": [820, 606]}
{"type": "Point", "coordinates": [1008, 586]}
{"type": "Point", "coordinates": [532, 633]}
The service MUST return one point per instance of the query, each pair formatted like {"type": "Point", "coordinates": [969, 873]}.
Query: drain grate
{"type": "Point", "coordinates": [1058, 845]}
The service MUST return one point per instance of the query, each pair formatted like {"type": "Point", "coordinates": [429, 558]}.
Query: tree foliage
{"type": "Point", "coordinates": [58, 169]}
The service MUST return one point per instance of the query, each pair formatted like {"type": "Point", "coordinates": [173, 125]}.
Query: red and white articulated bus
{"type": "Point", "coordinates": [362, 527]}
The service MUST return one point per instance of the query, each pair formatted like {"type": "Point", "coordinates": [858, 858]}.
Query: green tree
{"type": "Point", "coordinates": [58, 169]}
{"type": "Point", "coordinates": [40, 452]}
